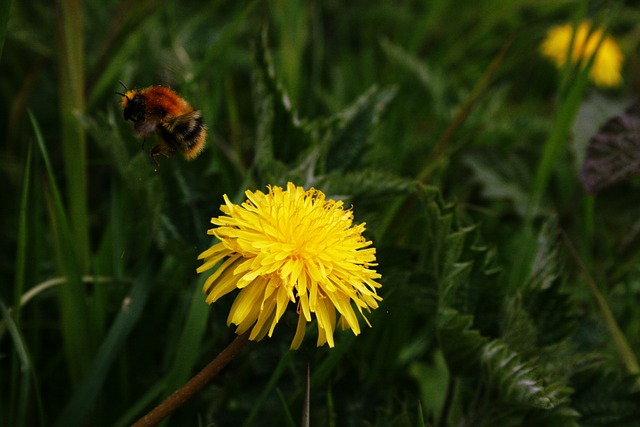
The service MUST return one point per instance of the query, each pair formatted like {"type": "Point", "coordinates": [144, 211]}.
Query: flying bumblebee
{"type": "Point", "coordinates": [179, 126]}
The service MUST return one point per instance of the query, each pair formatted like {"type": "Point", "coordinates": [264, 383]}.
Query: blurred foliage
{"type": "Point", "coordinates": [510, 294]}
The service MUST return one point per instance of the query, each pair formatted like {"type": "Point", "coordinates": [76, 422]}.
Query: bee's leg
{"type": "Point", "coordinates": [159, 149]}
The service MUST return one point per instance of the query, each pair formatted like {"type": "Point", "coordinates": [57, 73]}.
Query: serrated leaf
{"type": "Point", "coordinates": [604, 399]}
{"type": "Point", "coordinates": [559, 416]}
{"type": "Point", "coordinates": [281, 136]}
{"type": "Point", "coordinates": [463, 267]}
{"type": "Point", "coordinates": [501, 180]}
{"type": "Point", "coordinates": [544, 270]}
{"type": "Point", "coordinates": [613, 154]}
{"type": "Point", "coordinates": [519, 330]}
{"type": "Point", "coordinates": [439, 222]}
{"type": "Point", "coordinates": [456, 277]}
{"type": "Point", "coordinates": [485, 291]}
{"type": "Point", "coordinates": [460, 344]}
{"type": "Point", "coordinates": [554, 315]}
{"type": "Point", "coordinates": [549, 308]}
{"type": "Point", "coordinates": [434, 82]}
{"type": "Point", "coordinates": [367, 184]}
{"type": "Point", "coordinates": [455, 246]}
{"type": "Point", "coordinates": [347, 141]}
{"type": "Point", "coordinates": [515, 381]}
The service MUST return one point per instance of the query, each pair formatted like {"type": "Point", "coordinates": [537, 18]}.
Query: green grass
{"type": "Point", "coordinates": [510, 294]}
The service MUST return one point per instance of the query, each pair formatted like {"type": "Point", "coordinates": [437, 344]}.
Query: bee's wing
{"type": "Point", "coordinates": [185, 133]}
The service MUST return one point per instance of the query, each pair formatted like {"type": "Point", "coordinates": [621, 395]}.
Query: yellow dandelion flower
{"type": "Point", "coordinates": [607, 63]}
{"type": "Point", "coordinates": [291, 246]}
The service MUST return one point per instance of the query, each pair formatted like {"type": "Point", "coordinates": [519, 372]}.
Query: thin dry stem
{"type": "Point", "coordinates": [194, 385]}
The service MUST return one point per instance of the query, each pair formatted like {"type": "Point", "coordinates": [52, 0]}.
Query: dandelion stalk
{"type": "Point", "coordinates": [195, 384]}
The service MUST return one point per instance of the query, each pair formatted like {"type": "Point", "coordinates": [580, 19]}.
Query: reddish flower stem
{"type": "Point", "coordinates": [195, 384]}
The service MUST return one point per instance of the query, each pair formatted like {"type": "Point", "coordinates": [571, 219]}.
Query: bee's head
{"type": "Point", "coordinates": [132, 104]}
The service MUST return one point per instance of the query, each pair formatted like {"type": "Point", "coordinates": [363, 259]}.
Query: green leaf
{"type": "Point", "coordinates": [519, 330]}
{"type": "Point", "coordinates": [367, 185]}
{"type": "Point", "coordinates": [348, 137]}
{"type": "Point", "coordinates": [91, 385]}
{"type": "Point", "coordinates": [468, 278]}
{"type": "Point", "coordinates": [281, 137]}
{"type": "Point", "coordinates": [26, 369]}
{"type": "Point", "coordinates": [545, 265]}
{"type": "Point", "coordinates": [500, 179]}
{"type": "Point", "coordinates": [277, 373]}
{"type": "Point", "coordinates": [75, 325]}
{"type": "Point", "coordinates": [287, 412]}
{"type": "Point", "coordinates": [189, 344]}
{"type": "Point", "coordinates": [515, 381]}
{"type": "Point", "coordinates": [456, 278]}
{"type": "Point", "coordinates": [439, 220]}
{"type": "Point", "coordinates": [435, 83]}
{"type": "Point", "coordinates": [5, 8]}
{"type": "Point", "coordinates": [605, 399]}
{"type": "Point", "coordinates": [559, 416]}
{"type": "Point", "coordinates": [23, 234]}
{"type": "Point", "coordinates": [554, 313]}
{"type": "Point", "coordinates": [551, 309]}
{"type": "Point", "coordinates": [461, 345]}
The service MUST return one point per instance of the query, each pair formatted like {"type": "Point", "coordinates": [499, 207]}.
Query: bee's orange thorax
{"type": "Point", "coordinates": [166, 99]}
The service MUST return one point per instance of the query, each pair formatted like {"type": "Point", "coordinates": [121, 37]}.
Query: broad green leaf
{"type": "Point", "coordinates": [613, 152]}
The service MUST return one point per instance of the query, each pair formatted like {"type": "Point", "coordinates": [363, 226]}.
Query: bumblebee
{"type": "Point", "coordinates": [179, 126]}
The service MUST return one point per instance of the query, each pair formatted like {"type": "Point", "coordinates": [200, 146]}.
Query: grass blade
{"type": "Point", "coordinates": [26, 370]}
{"type": "Point", "coordinates": [5, 9]}
{"type": "Point", "coordinates": [189, 343]}
{"type": "Point", "coordinates": [89, 388]}
{"type": "Point", "coordinates": [273, 380]}
{"type": "Point", "coordinates": [76, 334]}
{"type": "Point", "coordinates": [72, 102]}
{"type": "Point", "coordinates": [23, 237]}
